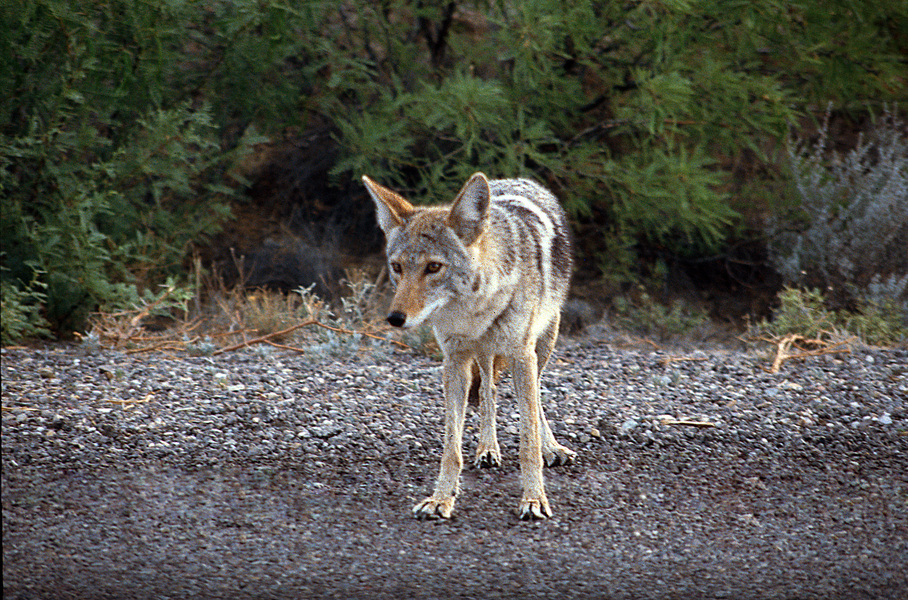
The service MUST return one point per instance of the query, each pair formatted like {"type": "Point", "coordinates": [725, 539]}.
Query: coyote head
{"type": "Point", "coordinates": [432, 252]}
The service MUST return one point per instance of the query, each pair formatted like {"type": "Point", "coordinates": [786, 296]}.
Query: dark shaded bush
{"type": "Point", "coordinates": [120, 120]}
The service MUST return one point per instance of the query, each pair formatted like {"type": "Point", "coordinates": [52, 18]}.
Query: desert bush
{"type": "Point", "coordinates": [635, 113]}
{"type": "Point", "coordinates": [110, 165]}
{"type": "Point", "coordinates": [120, 120]}
{"type": "Point", "coordinates": [99, 231]}
{"type": "Point", "coordinates": [805, 312]}
{"type": "Point", "coordinates": [646, 316]}
{"type": "Point", "coordinates": [801, 312]}
{"type": "Point", "coordinates": [850, 232]}
{"type": "Point", "coordinates": [20, 312]}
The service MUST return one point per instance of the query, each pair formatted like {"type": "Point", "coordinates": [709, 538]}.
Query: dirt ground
{"type": "Point", "coordinates": [661, 513]}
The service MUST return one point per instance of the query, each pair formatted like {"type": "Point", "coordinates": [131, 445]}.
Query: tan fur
{"type": "Point", "coordinates": [490, 273]}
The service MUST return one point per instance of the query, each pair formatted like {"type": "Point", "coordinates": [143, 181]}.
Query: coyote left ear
{"type": "Point", "coordinates": [470, 210]}
{"type": "Point", "coordinates": [392, 209]}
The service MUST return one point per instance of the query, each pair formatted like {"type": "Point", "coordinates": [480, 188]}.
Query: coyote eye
{"type": "Point", "coordinates": [396, 268]}
{"type": "Point", "coordinates": [433, 267]}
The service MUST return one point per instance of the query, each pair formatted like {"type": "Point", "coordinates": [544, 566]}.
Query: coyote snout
{"type": "Point", "coordinates": [421, 285]}
{"type": "Point", "coordinates": [490, 273]}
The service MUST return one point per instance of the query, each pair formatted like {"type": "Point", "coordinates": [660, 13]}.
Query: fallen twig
{"type": "Point", "coordinates": [285, 347]}
{"type": "Point", "coordinates": [686, 422]}
{"type": "Point", "coordinates": [784, 345]}
{"type": "Point", "coordinates": [265, 338]}
{"type": "Point", "coordinates": [130, 403]}
{"type": "Point", "coordinates": [163, 345]}
{"type": "Point", "coordinates": [365, 333]}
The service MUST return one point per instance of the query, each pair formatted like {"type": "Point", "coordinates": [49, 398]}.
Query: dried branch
{"type": "Point", "coordinates": [265, 338]}
{"type": "Point", "coordinates": [799, 342]}
{"type": "Point", "coordinates": [689, 423]}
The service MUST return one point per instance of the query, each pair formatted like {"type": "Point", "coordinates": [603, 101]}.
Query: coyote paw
{"type": "Point", "coordinates": [534, 510]}
{"type": "Point", "coordinates": [558, 455]}
{"type": "Point", "coordinates": [433, 508]}
{"type": "Point", "coordinates": [487, 456]}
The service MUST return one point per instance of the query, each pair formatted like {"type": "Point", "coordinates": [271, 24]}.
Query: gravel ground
{"type": "Point", "coordinates": [269, 475]}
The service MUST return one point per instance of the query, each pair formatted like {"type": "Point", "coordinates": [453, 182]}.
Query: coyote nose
{"type": "Point", "coordinates": [397, 318]}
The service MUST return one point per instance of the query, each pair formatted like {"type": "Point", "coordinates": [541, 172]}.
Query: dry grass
{"type": "Point", "coordinates": [231, 319]}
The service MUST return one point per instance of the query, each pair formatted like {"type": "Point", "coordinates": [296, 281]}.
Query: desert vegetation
{"type": "Point", "coordinates": [756, 143]}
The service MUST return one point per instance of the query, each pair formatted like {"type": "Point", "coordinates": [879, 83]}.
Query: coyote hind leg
{"type": "Point", "coordinates": [488, 452]}
{"type": "Point", "coordinates": [553, 453]}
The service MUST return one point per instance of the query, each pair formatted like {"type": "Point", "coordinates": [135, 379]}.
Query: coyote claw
{"type": "Point", "coordinates": [490, 457]}
{"type": "Point", "coordinates": [432, 508]}
{"type": "Point", "coordinates": [558, 456]}
{"type": "Point", "coordinates": [534, 510]}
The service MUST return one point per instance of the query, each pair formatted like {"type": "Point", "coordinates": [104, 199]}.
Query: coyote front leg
{"type": "Point", "coordinates": [456, 385]}
{"type": "Point", "coordinates": [534, 504]}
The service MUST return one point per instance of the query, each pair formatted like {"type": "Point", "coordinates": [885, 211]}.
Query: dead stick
{"type": "Point", "coordinates": [163, 345]}
{"type": "Point", "coordinates": [691, 423]}
{"type": "Point", "coordinates": [821, 352]}
{"type": "Point", "coordinates": [784, 345]}
{"type": "Point", "coordinates": [123, 403]}
{"type": "Point", "coordinates": [782, 351]}
{"type": "Point", "coordinates": [284, 346]}
{"type": "Point", "coordinates": [264, 338]}
{"type": "Point", "coordinates": [351, 332]}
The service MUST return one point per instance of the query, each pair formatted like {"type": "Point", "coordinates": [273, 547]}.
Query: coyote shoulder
{"type": "Point", "coordinates": [490, 273]}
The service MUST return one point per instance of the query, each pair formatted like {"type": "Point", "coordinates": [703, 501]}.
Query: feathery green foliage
{"type": "Point", "coordinates": [634, 112]}
{"type": "Point", "coordinates": [119, 120]}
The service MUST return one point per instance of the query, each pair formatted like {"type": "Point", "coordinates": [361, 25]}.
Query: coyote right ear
{"type": "Point", "coordinates": [392, 209]}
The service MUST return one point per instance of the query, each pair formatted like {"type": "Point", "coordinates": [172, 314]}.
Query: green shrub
{"type": "Point", "coordinates": [646, 316]}
{"type": "Point", "coordinates": [635, 113]}
{"type": "Point", "coordinates": [805, 312]}
{"type": "Point", "coordinates": [20, 312]}
{"type": "Point", "coordinates": [100, 230]}
{"type": "Point", "coordinates": [108, 175]}
{"type": "Point", "coordinates": [120, 120]}
{"type": "Point", "coordinates": [881, 324]}
{"type": "Point", "coordinates": [801, 312]}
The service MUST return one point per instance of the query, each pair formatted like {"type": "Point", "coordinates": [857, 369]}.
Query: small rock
{"type": "Point", "coordinates": [628, 426]}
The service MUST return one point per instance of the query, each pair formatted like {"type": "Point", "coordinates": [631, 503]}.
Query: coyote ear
{"type": "Point", "coordinates": [470, 210]}
{"type": "Point", "coordinates": [392, 209]}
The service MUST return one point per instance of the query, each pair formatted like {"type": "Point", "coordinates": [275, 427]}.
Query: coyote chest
{"type": "Point", "coordinates": [490, 273]}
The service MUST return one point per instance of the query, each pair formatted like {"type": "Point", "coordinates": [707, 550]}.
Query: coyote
{"type": "Point", "coordinates": [490, 273]}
